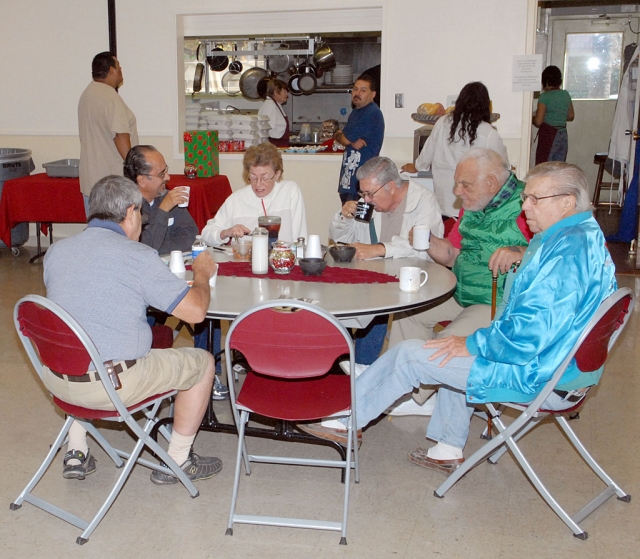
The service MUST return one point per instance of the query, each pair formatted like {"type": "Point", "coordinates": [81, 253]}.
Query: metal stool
{"type": "Point", "coordinates": [600, 160]}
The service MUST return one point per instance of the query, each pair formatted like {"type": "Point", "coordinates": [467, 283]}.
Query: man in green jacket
{"type": "Point", "coordinates": [490, 236]}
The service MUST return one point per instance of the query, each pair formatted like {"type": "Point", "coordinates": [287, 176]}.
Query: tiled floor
{"type": "Point", "coordinates": [493, 512]}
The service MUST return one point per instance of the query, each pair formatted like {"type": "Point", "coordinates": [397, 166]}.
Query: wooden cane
{"type": "Point", "coordinates": [494, 297]}
{"type": "Point", "coordinates": [494, 294]}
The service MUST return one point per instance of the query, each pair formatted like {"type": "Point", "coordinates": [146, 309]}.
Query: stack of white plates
{"type": "Point", "coordinates": [192, 116]}
{"type": "Point", "coordinates": [342, 74]}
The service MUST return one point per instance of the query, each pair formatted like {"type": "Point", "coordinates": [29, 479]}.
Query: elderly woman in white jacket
{"type": "Point", "coordinates": [267, 194]}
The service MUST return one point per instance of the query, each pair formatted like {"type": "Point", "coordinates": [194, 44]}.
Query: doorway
{"type": "Point", "coordinates": [587, 44]}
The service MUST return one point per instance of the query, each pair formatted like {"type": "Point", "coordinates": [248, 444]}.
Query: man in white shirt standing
{"type": "Point", "coordinates": [107, 127]}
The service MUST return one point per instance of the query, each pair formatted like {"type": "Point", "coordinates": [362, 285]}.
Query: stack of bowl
{"type": "Point", "coordinates": [342, 74]}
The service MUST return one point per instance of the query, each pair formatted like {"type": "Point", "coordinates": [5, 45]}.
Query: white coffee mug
{"type": "Point", "coordinates": [186, 190]}
{"type": "Point", "coordinates": [410, 278]}
{"type": "Point", "coordinates": [421, 236]}
{"type": "Point", "coordinates": [176, 262]}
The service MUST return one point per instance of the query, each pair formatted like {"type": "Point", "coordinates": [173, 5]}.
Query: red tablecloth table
{"type": "Point", "coordinates": [205, 197]}
{"type": "Point", "coordinates": [43, 199]}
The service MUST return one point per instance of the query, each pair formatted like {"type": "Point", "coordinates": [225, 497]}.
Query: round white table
{"type": "Point", "coordinates": [355, 304]}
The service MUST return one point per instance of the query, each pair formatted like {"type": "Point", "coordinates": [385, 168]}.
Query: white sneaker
{"type": "Point", "coordinates": [344, 365]}
{"type": "Point", "coordinates": [333, 424]}
{"type": "Point", "coordinates": [411, 407]}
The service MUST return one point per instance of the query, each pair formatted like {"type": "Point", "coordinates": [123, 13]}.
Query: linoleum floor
{"type": "Point", "coordinates": [494, 512]}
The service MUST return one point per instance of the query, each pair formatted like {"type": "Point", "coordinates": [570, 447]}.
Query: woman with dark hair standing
{"type": "Point", "coordinates": [554, 110]}
{"type": "Point", "coordinates": [454, 135]}
{"type": "Point", "coordinates": [277, 95]}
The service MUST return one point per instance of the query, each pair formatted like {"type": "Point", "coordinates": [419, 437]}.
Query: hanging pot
{"type": "Point", "coordinates": [236, 66]}
{"type": "Point", "coordinates": [197, 77]}
{"type": "Point", "coordinates": [323, 57]}
{"type": "Point", "coordinates": [249, 82]}
{"type": "Point", "coordinates": [217, 62]}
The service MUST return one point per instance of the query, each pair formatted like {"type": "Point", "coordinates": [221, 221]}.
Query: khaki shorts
{"type": "Point", "coordinates": [161, 370]}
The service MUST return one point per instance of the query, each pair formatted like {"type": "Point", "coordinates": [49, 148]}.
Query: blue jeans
{"type": "Point", "coordinates": [406, 366]}
{"type": "Point", "coordinates": [200, 334]}
{"type": "Point", "coordinates": [560, 146]}
{"type": "Point", "coordinates": [369, 340]}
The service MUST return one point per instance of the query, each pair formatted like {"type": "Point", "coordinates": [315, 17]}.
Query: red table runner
{"type": "Point", "coordinates": [330, 275]}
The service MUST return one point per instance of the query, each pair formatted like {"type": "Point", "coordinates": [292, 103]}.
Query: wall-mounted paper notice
{"type": "Point", "coordinates": [527, 71]}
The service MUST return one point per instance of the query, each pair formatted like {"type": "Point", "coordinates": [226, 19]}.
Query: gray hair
{"type": "Point", "coordinates": [136, 164]}
{"type": "Point", "coordinates": [380, 170]}
{"type": "Point", "coordinates": [569, 179]}
{"type": "Point", "coordinates": [111, 197]}
{"type": "Point", "coordinates": [489, 162]}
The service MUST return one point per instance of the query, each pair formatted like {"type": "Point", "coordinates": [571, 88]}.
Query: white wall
{"type": "Point", "coordinates": [430, 49]}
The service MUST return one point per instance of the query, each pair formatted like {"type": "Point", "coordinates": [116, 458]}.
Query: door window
{"type": "Point", "coordinates": [592, 65]}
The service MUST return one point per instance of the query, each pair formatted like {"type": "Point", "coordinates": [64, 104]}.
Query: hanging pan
{"type": "Point", "coordinates": [307, 82]}
{"type": "Point", "coordinates": [280, 63]}
{"type": "Point", "coordinates": [218, 62]}
{"type": "Point", "coordinates": [197, 77]}
{"type": "Point", "coordinates": [231, 83]}
{"type": "Point", "coordinates": [236, 66]}
{"type": "Point", "coordinates": [249, 82]}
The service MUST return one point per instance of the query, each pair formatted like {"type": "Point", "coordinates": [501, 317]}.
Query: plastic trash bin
{"type": "Point", "coordinates": [15, 163]}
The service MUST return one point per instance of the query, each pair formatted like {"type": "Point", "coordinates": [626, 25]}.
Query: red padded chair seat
{"type": "Point", "coordinates": [88, 413]}
{"type": "Point", "coordinates": [277, 398]}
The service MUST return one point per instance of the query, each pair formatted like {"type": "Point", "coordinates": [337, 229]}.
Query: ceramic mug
{"type": "Point", "coordinates": [410, 278]}
{"type": "Point", "coordinates": [364, 212]}
{"type": "Point", "coordinates": [421, 236]}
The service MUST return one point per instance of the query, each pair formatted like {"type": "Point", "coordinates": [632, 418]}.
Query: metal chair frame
{"type": "Point", "coordinates": [241, 416]}
{"type": "Point", "coordinates": [532, 414]}
{"type": "Point", "coordinates": [122, 414]}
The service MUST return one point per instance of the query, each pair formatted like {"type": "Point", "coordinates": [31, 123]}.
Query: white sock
{"type": "Point", "coordinates": [179, 446]}
{"type": "Point", "coordinates": [443, 451]}
{"type": "Point", "coordinates": [77, 441]}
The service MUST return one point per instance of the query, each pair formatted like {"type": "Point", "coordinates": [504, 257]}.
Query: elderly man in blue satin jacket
{"type": "Point", "coordinates": [564, 275]}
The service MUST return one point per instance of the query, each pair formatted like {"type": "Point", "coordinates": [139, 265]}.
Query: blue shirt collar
{"type": "Point", "coordinates": [566, 222]}
{"type": "Point", "coordinates": [105, 224]}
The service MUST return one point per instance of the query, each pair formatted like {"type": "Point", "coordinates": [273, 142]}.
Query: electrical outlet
{"type": "Point", "coordinates": [399, 100]}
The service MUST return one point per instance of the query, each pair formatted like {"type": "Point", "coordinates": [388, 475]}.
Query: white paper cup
{"type": "Point", "coordinates": [313, 249]}
{"type": "Point", "coordinates": [176, 262]}
{"type": "Point", "coordinates": [410, 278]}
{"type": "Point", "coordinates": [187, 190]}
{"type": "Point", "coordinates": [214, 277]}
{"type": "Point", "coordinates": [421, 237]}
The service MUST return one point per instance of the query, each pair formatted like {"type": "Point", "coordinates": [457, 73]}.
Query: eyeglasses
{"type": "Point", "coordinates": [370, 194]}
{"type": "Point", "coordinates": [159, 175]}
{"type": "Point", "coordinates": [535, 199]}
{"type": "Point", "coordinates": [263, 179]}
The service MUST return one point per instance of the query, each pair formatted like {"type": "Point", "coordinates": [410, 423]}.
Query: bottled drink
{"type": "Point", "coordinates": [198, 246]}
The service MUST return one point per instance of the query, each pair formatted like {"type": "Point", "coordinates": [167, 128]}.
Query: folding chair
{"type": "Point", "coordinates": [590, 352]}
{"type": "Point", "coordinates": [52, 338]}
{"type": "Point", "coordinates": [290, 352]}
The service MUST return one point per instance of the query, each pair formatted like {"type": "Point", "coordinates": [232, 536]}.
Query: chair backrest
{"type": "Point", "coordinates": [592, 347]}
{"type": "Point", "coordinates": [299, 341]}
{"type": "Point", "coordinates": [611, 317]}
{"type": "Point", "coordinates": [58, 346]}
